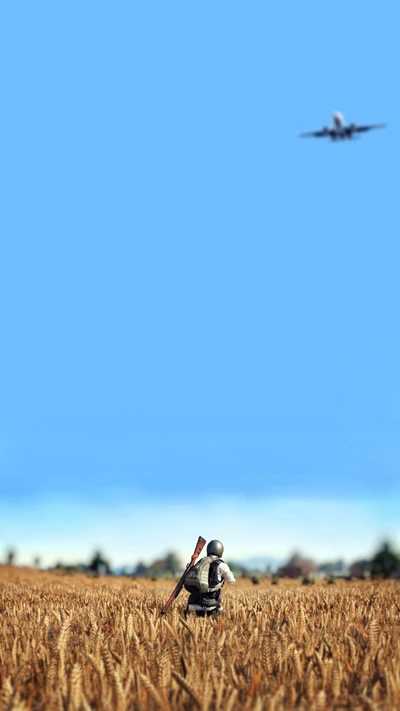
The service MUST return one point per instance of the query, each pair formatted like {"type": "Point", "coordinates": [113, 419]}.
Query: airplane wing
{"type": "Point", "coordinates": [316, 134]}
{"type": "Point", "coordinates": [362, 129]}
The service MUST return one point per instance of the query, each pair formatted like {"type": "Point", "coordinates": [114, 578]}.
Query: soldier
{"type": "Point", "coordinates": [205, 580]}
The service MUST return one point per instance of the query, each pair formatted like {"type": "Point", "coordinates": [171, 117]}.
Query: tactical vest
{"type": "Point", "coordinates": [202, 577]}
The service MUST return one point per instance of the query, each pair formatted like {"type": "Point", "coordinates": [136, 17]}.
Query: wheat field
{"type": "Point", "coordinates": [75, 643]}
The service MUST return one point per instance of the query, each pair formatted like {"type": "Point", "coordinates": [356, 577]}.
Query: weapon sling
{"type": "Point", "coordinates": [199, 547]}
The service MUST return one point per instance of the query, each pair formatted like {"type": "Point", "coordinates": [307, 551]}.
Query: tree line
{"type": "Point", "coordinates": [385, 563]}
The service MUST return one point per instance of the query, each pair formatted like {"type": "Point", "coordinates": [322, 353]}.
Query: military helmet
{"type": "Point", "coordinates": [215, 548]}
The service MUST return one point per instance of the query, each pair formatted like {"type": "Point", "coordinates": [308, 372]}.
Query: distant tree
{"type": "Point", "coordinates": [236, 568]}
{"type": "Point", "coordinates": [172, 563]}
{"type": "Point", "coordinates": [10, 557]}
{"type": "Point", "coordinates": [98, 564]}
{"type": "Point", "coordinates": [141, 570]}
{"type": "Point", "coordinates": [385, 562]}
{"type": "Point", "coordinates": [164, 567]}
{"type": "Point", "coordinates": [327, 568]}
{"type": "Point", "coordinates": [36, 562]}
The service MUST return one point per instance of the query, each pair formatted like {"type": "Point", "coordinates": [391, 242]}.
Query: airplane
{"type": "Point", "coordinates": [340, 130]}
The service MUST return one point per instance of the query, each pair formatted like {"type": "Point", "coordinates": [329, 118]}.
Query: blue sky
{"type": "Point", "coordinates": [198, 310]}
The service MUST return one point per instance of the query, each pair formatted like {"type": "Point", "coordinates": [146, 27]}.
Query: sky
{"type": "Point", "coordinates": [199, 310]}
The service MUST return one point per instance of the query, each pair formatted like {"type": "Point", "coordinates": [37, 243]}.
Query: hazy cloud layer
{"type": "Point", "coordinates": [126, 532]}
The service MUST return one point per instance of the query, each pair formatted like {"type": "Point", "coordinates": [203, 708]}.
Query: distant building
{"type": "Point", "coordinates": [297, 567]}
{"type": "Point", "coordinates": [360, 569]}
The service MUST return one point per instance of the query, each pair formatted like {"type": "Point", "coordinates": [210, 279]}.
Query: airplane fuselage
{"type": "Point", "coordinates": [339, 126]}
{"type": "Point", "coordinates": [338, 119]}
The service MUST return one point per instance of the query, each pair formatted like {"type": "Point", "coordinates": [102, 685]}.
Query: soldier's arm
{"type": "Point", "coordinates": [226, 573]}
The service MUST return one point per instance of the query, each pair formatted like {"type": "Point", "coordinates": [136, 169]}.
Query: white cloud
{"type": "Point", "coordinates": [132, 530]}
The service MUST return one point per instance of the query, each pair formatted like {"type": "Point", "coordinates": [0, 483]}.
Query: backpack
{"type": "Point", "coordinates": [201, 578]}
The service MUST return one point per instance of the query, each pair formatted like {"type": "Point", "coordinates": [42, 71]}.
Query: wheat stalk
{"type": "Point", "coordinates": [188, 688]}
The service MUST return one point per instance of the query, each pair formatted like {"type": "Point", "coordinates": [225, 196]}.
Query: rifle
{"type": "Point", "coordinates": [199, 547]}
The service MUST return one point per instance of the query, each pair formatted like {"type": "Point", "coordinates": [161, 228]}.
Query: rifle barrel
{"type": "Point", "coordinates": [199, 547]}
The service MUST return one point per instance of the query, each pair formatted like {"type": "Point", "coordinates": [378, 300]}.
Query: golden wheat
{"type": "Point", "coordinates": [72, 643]}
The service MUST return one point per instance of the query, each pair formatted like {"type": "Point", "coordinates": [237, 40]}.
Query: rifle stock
{"type": "Point", "coordinates": [199, 547]}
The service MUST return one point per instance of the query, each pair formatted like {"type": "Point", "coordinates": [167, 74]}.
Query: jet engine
{"type": "Point", "coordinates": [349, 130]}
